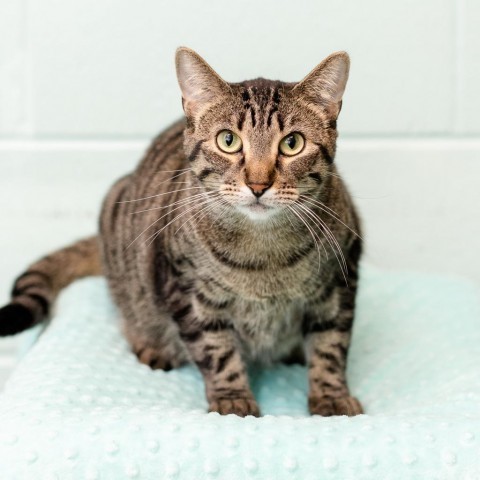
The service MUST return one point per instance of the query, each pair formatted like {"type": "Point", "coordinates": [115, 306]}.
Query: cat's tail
{"type": "Point", "coordinates": [36, 289]}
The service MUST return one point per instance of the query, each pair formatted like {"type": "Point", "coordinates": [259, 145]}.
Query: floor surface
{"type": "Point", "coordinates": [8, 347]}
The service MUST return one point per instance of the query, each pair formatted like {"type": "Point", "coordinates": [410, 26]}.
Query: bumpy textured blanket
{"type": "Point", "coordinates": [79, 405]}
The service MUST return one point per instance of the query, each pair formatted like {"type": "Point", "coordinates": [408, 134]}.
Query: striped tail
{"type": "Point", "coordinates": [35, 290]}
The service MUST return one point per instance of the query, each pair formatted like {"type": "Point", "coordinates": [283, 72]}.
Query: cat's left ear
{"type": "Point", "coordinates": [326, 83]}
{"type": "Point", "coordinates": [200, 84]}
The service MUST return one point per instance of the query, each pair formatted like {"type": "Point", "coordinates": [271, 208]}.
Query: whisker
{"type": "Point", "coordinates": [332, 174]}
{"type": "Point", "coordinates": [300, 217]}
{"type": "Point", "coordinates": [212, 184]}
{"type": "Point", "coordinates": [328, 232]}
{"type": "Point", "coordinates": [226, 206]}
{"type": "Point", "coordinates": [322, 205]}
{"type": "Point", "coordinates": [186, 200]}
{"type": "Point", "coordinates": [329, 211]}
{"type": "Point", "coordinates": [318, 237]}
{"type": "Point", "coordinates": [171, 178]}
{"type": "Point", "coordinates": [205, 209]}
{"type": "Point", "coordinates": [379, 197]}
{"type": "Point", "coordinates": [181, 214]}
{"type": "Point", "coordinates": [151, 225]}
{"type": "Point", "coordinates": [156, 234]}
{"type": "Point", "coordinates": [330, 238]}
{"type": "Point", "coordinates": [311, 187]}
{"type": "Point", "coordinates": [177, 170]}
{"type": "Point", "coordinates": [159, 195]}
{"type": "Point", "coordinates": [324, 228]}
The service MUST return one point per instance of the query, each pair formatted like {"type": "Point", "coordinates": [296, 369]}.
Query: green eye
{"type": "Point", "coordinates": [292, 144]}
{"type": "Point", "coordinates": [229, 142]}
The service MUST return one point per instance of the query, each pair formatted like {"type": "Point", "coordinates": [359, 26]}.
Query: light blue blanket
{"type": "Point", "coordinates": [79, 406]}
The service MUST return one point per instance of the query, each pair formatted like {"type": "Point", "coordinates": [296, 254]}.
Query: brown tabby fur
{"type": "Point", "coordinates": [199, 266]}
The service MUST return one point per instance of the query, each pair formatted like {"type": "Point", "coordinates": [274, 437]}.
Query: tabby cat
{"type": "Point", "coordinates": [234, 240]}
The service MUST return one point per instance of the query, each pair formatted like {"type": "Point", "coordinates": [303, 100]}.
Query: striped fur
{"type": "Point", "coordinates": [35, 290]}
{"type": "Point", "coordinates": [206, 271]}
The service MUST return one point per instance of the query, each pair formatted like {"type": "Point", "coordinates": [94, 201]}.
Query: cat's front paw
{"type": "Point", "coordinates": [238, 406]}
{"type": "Point", "coordinates": [155, 356]}
{"type": "Point", "coordinates": [327, 406]}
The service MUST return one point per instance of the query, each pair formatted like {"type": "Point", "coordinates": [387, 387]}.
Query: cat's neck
{"type": "Point", "coordinates": [245, 237]}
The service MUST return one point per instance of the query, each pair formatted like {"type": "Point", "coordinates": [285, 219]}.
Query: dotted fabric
{"type": "Point", "coordinates": [80, 406]}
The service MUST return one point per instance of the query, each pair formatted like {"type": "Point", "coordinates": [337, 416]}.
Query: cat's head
{"type": "Point", "coordinates": [261, 145]}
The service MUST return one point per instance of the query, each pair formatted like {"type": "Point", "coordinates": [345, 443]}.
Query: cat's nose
{"type": "Point", "coordinates": [259, 189]}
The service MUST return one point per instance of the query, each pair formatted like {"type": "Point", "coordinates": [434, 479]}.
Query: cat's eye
{"type": "Point", "coordinates": [229, 142]}
{"type": "Point", "coordinates": [292, 144]}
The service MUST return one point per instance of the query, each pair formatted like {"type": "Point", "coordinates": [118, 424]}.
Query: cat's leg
{"type": "Point", "coordinates": [327, 328]}
{"type": "Point", "coordinates": [156, 356]}
{"type": "Point", "coordinates": [210, 339]}
{"type": "Point", "coordinates": [154, 340]}
{"type": "Point", "coordinates": [327, 351]}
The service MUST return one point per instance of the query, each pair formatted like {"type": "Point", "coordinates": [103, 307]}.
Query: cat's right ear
{"type": "Point", "coordinates": [199, 83]}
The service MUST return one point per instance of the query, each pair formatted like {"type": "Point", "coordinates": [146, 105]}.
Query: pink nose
{"type": "Point", "coordinates": [258, 189]}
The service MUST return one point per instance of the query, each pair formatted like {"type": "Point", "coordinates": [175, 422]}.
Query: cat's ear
{"type": "Point", "coordinates": [325, 84]}
{"type": "Point", "coordinates": [199, 83]}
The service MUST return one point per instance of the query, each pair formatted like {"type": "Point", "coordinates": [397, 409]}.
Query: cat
{"type": "Point", "coordinates": [234, 240]}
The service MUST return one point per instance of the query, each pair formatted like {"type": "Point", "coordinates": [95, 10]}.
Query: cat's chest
{"type": "Point", "coordinates": [295, 284]}
{"type": "Point", "coordinates": [261, 283]}
{"type": "Point", "coordinates": [268, 330]}
{"type": "Point", "coordinates": [258, 266]}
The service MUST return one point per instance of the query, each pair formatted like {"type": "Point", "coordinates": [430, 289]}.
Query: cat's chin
{"type": "Point", "coordinates": [258, 211]}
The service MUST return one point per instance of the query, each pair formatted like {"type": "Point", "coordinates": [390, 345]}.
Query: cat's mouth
{"type": "Point", "coordinates": [257, 210]}
{"type": "Point", "coordinates": [258, 207]}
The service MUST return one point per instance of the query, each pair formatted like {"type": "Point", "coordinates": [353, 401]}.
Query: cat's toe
{"type": "Point", "coordinates": [153, 358]}
{"type": "Point", "coordinates": [321, 406]}
{"type": "Point", "coordinates": [328, 406]}
{"type": "Point", "coordinates": [238, 406]}
{"type": "Point", "coordinates": [349, 406]}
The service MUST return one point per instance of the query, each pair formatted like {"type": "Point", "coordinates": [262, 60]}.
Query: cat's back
{"type": "Point", "coordinates": [131, 200]}
{"type": "Point", "coordinates": [164, 156]}
{"type": "Point", "coordinates": [133, 206]}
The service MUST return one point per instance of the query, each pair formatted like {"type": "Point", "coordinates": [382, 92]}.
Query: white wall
{"type": "Point", "coordinates": [85, 84]}
{"type": "Point", "coordinates": [97, 69]}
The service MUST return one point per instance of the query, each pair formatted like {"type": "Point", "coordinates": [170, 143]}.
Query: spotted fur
{"type": "Point", "coordinates": [208, 267]}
